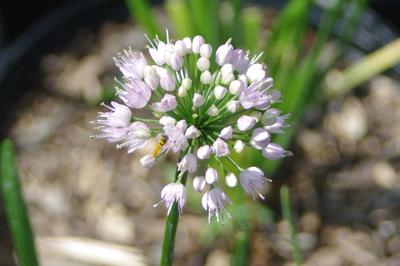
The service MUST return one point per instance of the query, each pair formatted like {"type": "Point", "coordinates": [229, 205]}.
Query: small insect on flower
{"type": "Point", "coordinates": [205, 105]}
{"type": "Point", "coordinates": [159, 147]}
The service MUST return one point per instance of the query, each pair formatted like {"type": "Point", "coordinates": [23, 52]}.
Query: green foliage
{"type": "Point", "coordinates": [142, 13]}
{"type": "Point", "coordinates": [16, 210]}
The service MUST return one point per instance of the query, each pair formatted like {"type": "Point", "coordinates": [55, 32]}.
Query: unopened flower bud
{"type": "Point", "coordinates": [198, 41]}
{"type": "Point", "coordinates": [236, 87]}
{"type": "Point", "coordinates": [213, 111]}
{"type": "Point", "coordinates": [220, 92]}
{"type": "Point", "coordinates": [246, 122]}
{"type": "Point", "coordinates": [198, 100]}
{"type": "Point", "coordinates": [180, 48]}
{"type": "Point", "coordinates": [232, 106]}
{"type": "Point", "coordinates": [231, 180]}
{"type": "Point", "coordinates": [224, 53]}
{"type": "Point", "coordinates": [206, 77]}
{"type": "Point", "coordinates": [182, 91]}
{"type": "Point", "coordinates": [188, 43]}
{"type": "Point", "coordinates": [199, 183]}
{"type": "Point", "coordinates": [211, 176]}
{"type": "Point", "coordinates": [187, 83]}
{"type": "Point", "coordinates": [192, 132]}
{"type": "Point", "coordinates": [275, 152]}
{"type": "Point", "coordinates": [167, 120]}
{"type": "Point", "coordinates": [220, 148]}
{"type": "Point", "coordinates": [260, 138]}
{"type": "Point", "coordinates": [204, 152]}
{"type": "Point", "coordinates": [205, 50]}
{"type": "Point", "coordinates": [175, 61]}
{"type": "Point", "coordinates": [203, 64]}
{"type": "Point", "coordinates": [238, 146]}
{"type": "Point", "coordinates": [167, 81]}
{"type": "Point", "coordinates": [188, 163]}
{"type": "Point", "coordinates": [226, 133]}
{"type": "Point", "coordinates": [181, 125]}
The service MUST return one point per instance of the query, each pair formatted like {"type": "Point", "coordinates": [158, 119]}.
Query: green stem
{"type": "Point", "coordinates": [167, 256]}
{"type": "Point", "coordinates": [16, 210]}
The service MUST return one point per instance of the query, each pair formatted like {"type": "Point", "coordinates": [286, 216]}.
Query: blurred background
{"type": "Point", "coordinates": [335, 202]}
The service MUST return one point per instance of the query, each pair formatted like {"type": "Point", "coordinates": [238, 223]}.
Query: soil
{"type": "Point", "coordinates": [344, 176]}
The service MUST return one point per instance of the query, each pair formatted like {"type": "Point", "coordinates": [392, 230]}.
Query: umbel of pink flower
{"type": "Point", "coordinates": [201, 104]}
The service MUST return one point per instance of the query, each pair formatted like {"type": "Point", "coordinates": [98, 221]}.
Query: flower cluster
{"type": "Point", "coordinates": [203, 105]}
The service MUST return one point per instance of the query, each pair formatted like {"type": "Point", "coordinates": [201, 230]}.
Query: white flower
{"type": "Point", "coordinates": [220, 148]}
{"type": "Point", "coordinates": [188, 163]}
{"type": "Point", "coordinates": [220, 92]}
{"type": "Point", "coordinates": [273, 122]}
{"type": "Point", "coordinates": [131, 64]}
{"type": "Point", "coordinates": [165, 120]}
{"type": "Point", "coordinates": [238, 146]}
{"type": "Point", "coordinates": [275, 152]}
{"type": "Point", "coordinates": [157, 54]}
{"type": "Point", "coordinates": [233, 106]}
{"type": "Point", "coordinates": [204, 152]}
{"type": "Point", "coordinates": [203, 64]}
{"type": "Point", "coordinates": [147, 161]}
{"type": "Point", "coordinates": [214, 201]}
{"type": "Point", "coordinates": [135, 93]}
{"type": "Point", "coordinates": [190, 99]}
{"type": "Point", "coordinates": [180, 48]}
{"type": "Point", "coordinates": [176, 138]}
{"type": "Point", "coordinates": [182, 125]}
{"type": "Point", "coordinates": [167, 80]}
{"type": "Point", "coordinates": [246, 122]}
{"type": "Point", "coordinates": [192, 132]}
{"type": "Point", "coordinates": [226, 133]}
{"type": "Point", "coordinates": [236, 87]}
{"type": "Point", "coordinates": [173, 192]}
{"type": "Point", "coordinates": [175, 61]}
{"type": "Point", "coordinates": [188, 43]}
{"type": "Point", "coordinates": [231, 180]}
{"type": "Point", "coordinates": [240, 59]}
{"type": "Point", "coordinates": [182, 91]}
{"type": "Point", "coordinates": [167, 103]}
{"type": "Point", "coordinates": [256, 72]}
{"type": "Point", "coordinates": [198, 41]}
{"type": "Point", "coordinates": [256, 95]}
{"type": "Point", "coordinates": [211, 176]}
{"type": "Point", "coordinates": [199, 183]}
{"type": "Point", "coordinates": [187, 83]}
{"type": "Point", "coordinates": [253, 180]}
{"type": "Point", "coordinates": [206, 77]}
{"type": "Point", "coordinates": [205, 50]}
{"type": "Point", "coordinates": [213, 111]}
{"type": "Point", "coordinates": [260, 138]}
{"type": "Point", "coordinates": [224, 53]}
{"type": "Point", "coordinates": [198, 100]}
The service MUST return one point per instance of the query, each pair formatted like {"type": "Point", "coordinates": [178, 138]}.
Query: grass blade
{"type": "Point", "coordinates": [205, 19]}
{"type": "Point", "coordinates": [287, 215]}
{"type": "Point", "coordinates": [15, 207]}
{"type": "Point", "coordinates": [371, 65]}
{"type": "Point", "coordinates": [252, 22]}
{"type": "Point", "coordinates": [141, 12]}
{"type": "Point", "coordinates": [179, 15]}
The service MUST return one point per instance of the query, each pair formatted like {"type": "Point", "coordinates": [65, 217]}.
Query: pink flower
{"type": "Point", "coordinates": [220, 148]}
{"type": "Point", "coordinates": [135, 93]}
{"type": "Point", "coordinates": [214, 201]}
{"type": "Point", "coordinates": [253, 180]}
{"type": "Point", "coordinates": [173, 192]}
{"type": "Point", "coordinates": [131, 64]}
{"type": "Point", "coordinates": [167, 103]}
